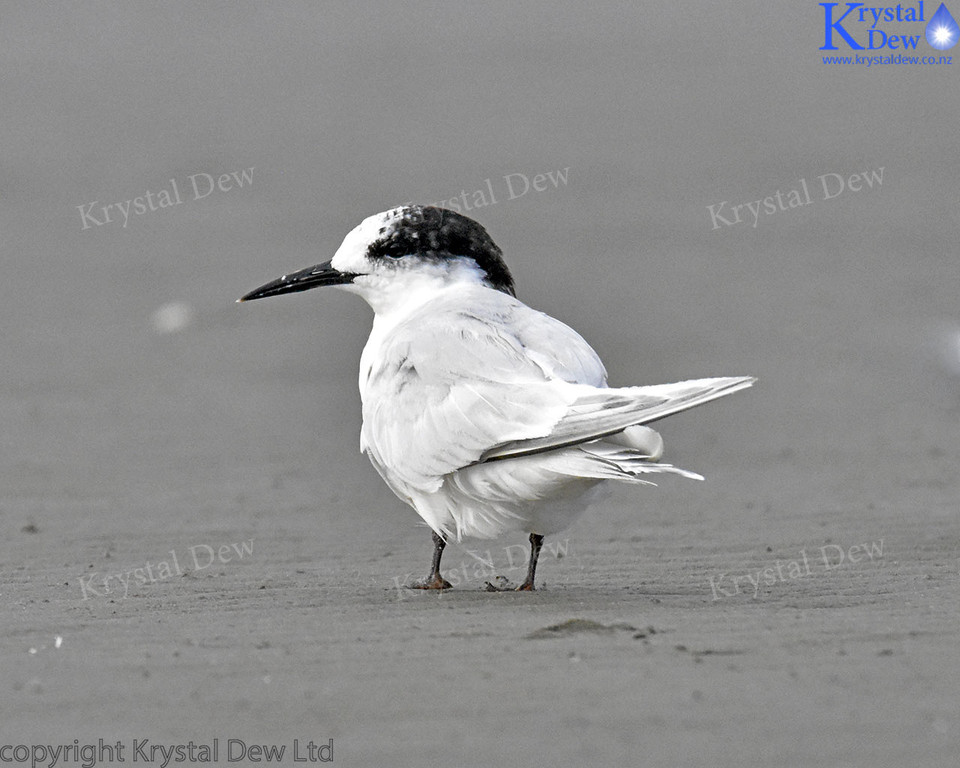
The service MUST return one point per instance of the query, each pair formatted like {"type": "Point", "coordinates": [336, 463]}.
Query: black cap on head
{"type": "Point", "coordinates": [436, 233]}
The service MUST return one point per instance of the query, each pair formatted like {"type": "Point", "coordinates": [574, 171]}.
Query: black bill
{"type": "Point", "coordinates": [302, 280]}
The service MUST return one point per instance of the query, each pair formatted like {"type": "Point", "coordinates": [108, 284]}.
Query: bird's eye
{"type": "Point", "coordinates": [385, 250]}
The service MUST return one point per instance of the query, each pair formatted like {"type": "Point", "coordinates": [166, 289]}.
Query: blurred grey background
{"type": "Point", "coordinates": [144, 411]}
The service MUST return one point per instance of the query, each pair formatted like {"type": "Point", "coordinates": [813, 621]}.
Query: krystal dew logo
{"type": "Point", "coordinates": [858, 26]}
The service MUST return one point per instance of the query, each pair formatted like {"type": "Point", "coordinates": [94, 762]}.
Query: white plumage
{"type": "Point", "coordinates": [484, 415]}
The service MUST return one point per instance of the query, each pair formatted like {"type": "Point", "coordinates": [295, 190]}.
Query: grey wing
{"type": "Point", "coordinates": [452, 383]}
{"type": "Point", "coordinates": [596, 413]}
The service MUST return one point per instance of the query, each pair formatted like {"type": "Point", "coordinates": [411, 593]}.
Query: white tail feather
{"type": "Point", "coordinates": [605, 461]}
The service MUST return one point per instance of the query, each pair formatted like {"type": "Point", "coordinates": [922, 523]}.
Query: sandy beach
{"type": "Point", "coordinates": [200, 568]}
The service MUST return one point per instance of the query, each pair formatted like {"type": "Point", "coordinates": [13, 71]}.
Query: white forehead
{"type": "Point", "coordinates": [351, 256]}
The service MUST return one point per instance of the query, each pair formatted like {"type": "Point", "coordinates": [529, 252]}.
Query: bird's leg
{"type": "Point", "coordinates": [536, 541]}
{"type": "Point", "coordinates": [434, 580]}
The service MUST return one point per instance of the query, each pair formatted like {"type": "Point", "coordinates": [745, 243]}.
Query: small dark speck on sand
{"type": "Point", "coordinates": [578, 626]}
{"type": "Point", "coordinates": [698, 655]}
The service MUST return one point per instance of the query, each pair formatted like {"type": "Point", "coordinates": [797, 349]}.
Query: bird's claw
{"type": "Point", "coordinates": [431, 582]}
{"type": "Point", "coordinates": [504, 585]}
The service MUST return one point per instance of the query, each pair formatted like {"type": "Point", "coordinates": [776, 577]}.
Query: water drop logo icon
{"type": "Point", "coordinates": [942, 31]}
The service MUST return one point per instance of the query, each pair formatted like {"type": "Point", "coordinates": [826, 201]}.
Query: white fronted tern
{"type": "Point", "coordinates": [484, 415]}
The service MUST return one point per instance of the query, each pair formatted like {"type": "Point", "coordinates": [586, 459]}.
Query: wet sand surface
{"type": "Point", "coordinates": [193, 548]}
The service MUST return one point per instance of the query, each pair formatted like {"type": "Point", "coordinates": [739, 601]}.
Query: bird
{"type": "Point", "coordinates": [485, 415]}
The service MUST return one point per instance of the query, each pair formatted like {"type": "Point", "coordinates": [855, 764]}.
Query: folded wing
{"type": "Point", "coordinates": [466, 374]}
{"type": "Point", "coordinates": [453, 387]}
{"type": "Point", "coordinates": [597, 413]}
